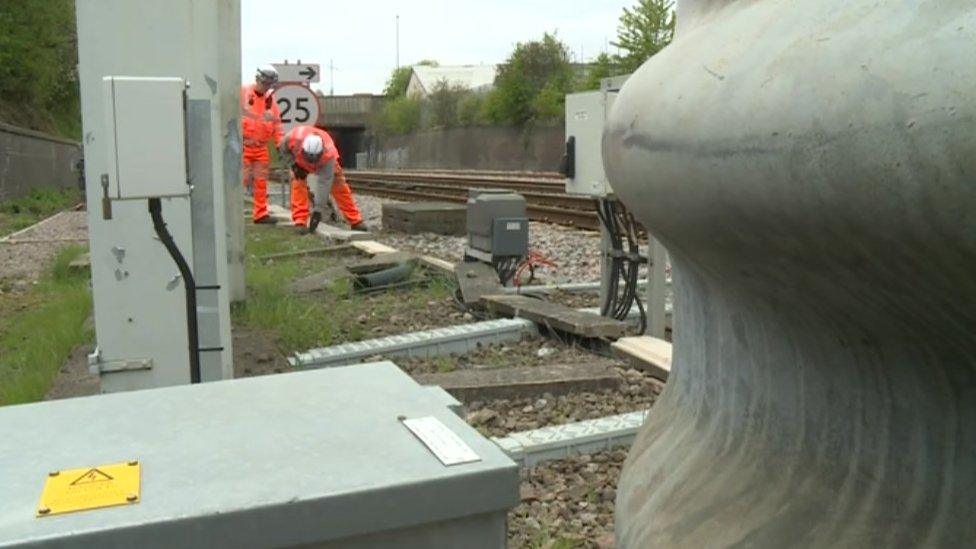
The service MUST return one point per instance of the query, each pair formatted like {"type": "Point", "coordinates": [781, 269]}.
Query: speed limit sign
{"type": "Point", "coordinates": [299, 105]}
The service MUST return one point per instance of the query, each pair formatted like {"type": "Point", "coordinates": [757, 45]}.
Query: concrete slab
{"type": "Point", "coordinates": [426, 217]}
{"type": "Point", "coordinates": [556, 316]}
{"type": "Point", "coordinates": [476, 279]}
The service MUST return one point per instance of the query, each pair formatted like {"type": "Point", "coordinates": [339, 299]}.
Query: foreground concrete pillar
{"type": "Point", "coordinates": [811, 167]}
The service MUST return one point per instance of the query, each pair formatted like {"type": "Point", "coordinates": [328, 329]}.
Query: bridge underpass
{"type": "Point", "coordinates": [347, 118]}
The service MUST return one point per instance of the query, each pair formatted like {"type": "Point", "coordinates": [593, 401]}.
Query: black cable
{"type": "Point", "coordinates": [189, 285]}
{"type": "Point", "coordinates": [624, 262]}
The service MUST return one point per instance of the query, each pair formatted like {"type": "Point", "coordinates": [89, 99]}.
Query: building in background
{"type": "Point", "coordinates": [471, 77]}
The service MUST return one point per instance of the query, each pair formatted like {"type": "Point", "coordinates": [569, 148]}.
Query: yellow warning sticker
{"type": "Point", "coordinates": [90, 488]}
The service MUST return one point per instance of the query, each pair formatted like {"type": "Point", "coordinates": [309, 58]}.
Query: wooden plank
{"type": "Point", "coordinates": [556, 316]}
{"type": "Point", "coordinates": [437, 264]}
{"type": "Point", "coordinates": [283, 216]}
{"type": "Point", "coordinates": [81, 262]}
{"type": "Point", "coordinates": [380, 262]}
{"type": "Point", "coordinates": [526, 381]}
{"type": "Point", "coordinates": [372, 247]}
{"type": "Point", "coordinates": [327, 250]}
{"type": "Point", "coordinates": [476, 279]}
{"type": "Point", "coordinates": [646, 353]}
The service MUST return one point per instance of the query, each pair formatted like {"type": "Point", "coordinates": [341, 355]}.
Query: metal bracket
{"type": "Point", "coordinates": [125, 365]}
{"type": "Point", "coordinates": [96, 366]}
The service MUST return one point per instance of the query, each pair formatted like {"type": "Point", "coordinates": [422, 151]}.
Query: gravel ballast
{"type": "Point", "coordinates": [22, 263]}
{"type": "Point", "coordinates": [575, 251]}
{"type": "Point", "coordinates": [567, 503]}
{"type": "Point", "coordinates": [497, 418]}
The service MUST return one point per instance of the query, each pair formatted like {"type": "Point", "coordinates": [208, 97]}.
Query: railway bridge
{"type": "Point", "coordinates": [348, 119]}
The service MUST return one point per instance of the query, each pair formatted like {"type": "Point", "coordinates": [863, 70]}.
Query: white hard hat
{"type": "Point", "coordinates": [266, 74]}
{"type": "Point", "coordinates": [312, 148]}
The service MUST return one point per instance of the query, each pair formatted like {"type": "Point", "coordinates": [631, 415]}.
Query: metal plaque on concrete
{"type": "Point", "coordinates": [441, 441]}
{"type": "Point", "coordinates": [90, 488]}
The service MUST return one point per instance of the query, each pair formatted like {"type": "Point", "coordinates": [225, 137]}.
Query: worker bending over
{"type": "Point", "coordinates": [310, 150]}
{"type": "Point", "coordinates": [260, 124]}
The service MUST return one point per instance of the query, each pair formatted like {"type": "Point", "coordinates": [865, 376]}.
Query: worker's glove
{"type": "Point", "coordinates": [299, 172]}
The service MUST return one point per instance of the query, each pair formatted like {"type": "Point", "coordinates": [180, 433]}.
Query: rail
{"type": "Point", "coordinates": [544, 193]}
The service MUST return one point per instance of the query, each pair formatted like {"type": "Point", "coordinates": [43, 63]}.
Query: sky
{"type": "Point", "coordinates": [359, 36]}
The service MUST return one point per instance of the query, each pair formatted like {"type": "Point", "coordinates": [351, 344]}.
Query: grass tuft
{"type": "Point", "coordinates": [39, 203]}
{"type": "Point", "coordinates": [303, 322]}
{"type": "Point", "coordinates": [38, 329]}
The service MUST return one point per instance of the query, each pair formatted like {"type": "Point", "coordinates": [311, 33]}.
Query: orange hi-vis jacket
{"type": "Point", "coordinates": [260, 118]}
{"type": "Point", "coordinates": [293, 146]}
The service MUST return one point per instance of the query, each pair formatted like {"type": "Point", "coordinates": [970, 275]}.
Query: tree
{"type": "Point", "coordinates": [471, 109]}
{"type": "Point", "coordinates": [443, 103]}
{"type": "Point", "coordinates": [396, 86]}
{"type": "Point", "coordinates": [643, 31]}
{"type": "Point", "coordinates": [604, 67]}
{"type": "Point", "coordinates": [38, 66]}
{"type": "Point", "coordinates": [531, 69]}
{"type": "Point", "coordinates": [401, 115]}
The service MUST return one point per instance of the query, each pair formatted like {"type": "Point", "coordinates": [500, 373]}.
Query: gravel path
{"type": "Point", "coordinates": [21, 264]}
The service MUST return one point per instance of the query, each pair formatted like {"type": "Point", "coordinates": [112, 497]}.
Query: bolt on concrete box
{"type": "Point", "coordinates": [320, 458]}
{"type": "Point", "coordinates": [425, 217]}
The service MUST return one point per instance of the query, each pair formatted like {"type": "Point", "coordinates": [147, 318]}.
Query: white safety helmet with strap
{"type": "Point", "coordinates": [312, 148]}
{"type": "Point", "coordinates": [267, 75]}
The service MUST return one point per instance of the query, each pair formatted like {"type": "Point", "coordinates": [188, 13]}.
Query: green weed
{"type": "Point", "coordinates": [39, 329]}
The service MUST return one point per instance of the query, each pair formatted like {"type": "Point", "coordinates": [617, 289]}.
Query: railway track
{"type": "Point", "coordinates": [544, 193]}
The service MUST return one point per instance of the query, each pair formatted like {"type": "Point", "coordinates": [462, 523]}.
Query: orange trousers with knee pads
{"type": "Point", "coordinates": [340, 192]}
{"type": "Point", "coordinates": [256, 171]}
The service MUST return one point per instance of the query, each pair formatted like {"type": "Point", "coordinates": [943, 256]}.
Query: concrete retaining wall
{"type": "Point", "coordinates": [473, 148]}
{"type": "Point", "coordinates": [30, 159]}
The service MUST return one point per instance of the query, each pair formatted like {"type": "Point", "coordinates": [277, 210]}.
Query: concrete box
{"type": "Point", "coordinates": [310, 459]}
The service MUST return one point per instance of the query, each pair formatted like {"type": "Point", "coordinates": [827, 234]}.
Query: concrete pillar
{"type": "Point", "coordinates": [810, 166]}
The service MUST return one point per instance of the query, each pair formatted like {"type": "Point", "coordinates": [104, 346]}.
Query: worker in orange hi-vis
{"type": "Point", "coordinates": [310, 150]}
{"type": "Point", "coordinates": [260, 125]}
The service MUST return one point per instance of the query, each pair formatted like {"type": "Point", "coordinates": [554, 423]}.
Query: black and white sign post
{"type": "Point", "coordinates": [299, 105]}
{"type": "Point", "coordinates": [297, 73]}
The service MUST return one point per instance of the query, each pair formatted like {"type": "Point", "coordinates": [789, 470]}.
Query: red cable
{"type": "Point", "coordinates": [531, 261]}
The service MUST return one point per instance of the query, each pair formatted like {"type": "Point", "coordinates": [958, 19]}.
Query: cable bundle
{"type": "Point", "coordinates": [624, 264]}
{"type": "Point", "coordinates": [506, 266]}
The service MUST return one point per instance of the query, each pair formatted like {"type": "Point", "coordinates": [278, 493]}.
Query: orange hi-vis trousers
{"type": "Point", "coordinates": [340, 192]}
{"type": "Point", "coordinates": [256, 167]}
